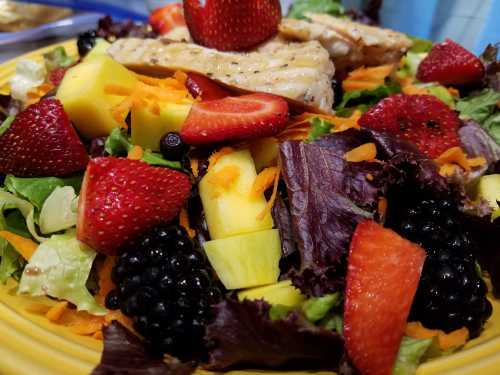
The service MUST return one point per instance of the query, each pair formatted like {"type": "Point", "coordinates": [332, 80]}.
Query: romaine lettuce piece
{"type": "Point", "coordinates": [60, 268]}
{"type": "Point", "coordinates": [301, 7]}
{"type": "Point", "coordinates": [10, 201]}
{"type": "Point", "coordinates": [410, 64]}
{"type": "Point", "coordinates": [483, 109]}
{"type": "Point", "coordinates": [59, 210]}
{"type": "Point", "coordinates": [411, 352]}
{"type": "Point", "coordinates": [37, 189]}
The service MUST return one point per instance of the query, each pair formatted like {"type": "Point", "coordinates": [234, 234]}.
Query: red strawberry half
{"type": "Point", "coordinates": [450, 64]}
{"type": "Point", "coordinates": [235, 118]}
{"type": "Point", "coordinates": [232, 25]}
{"type": "Point", "coordinates": [122, 198]}
{"type": "Point", "coordinates": [164, 19]}
{"type": "Point", "coordinates": [422, 119]}
{"type": "Point", "coordinates": [205, 88]}
{"type": "Point", "coordinates": [382, 278]}
{"type": "Point", "coordinates": [42, 142]}
{"type": "Point", "coordinates": [57, 75]}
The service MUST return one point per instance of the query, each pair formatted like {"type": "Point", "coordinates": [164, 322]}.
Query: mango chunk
{"type": "Point", "coordinates": [247, 260]}
{"type": "Point", "coordinates": [232, 209]}
{"type": "Point", "coordinates": [282, 293]}
{"type": "Point", "coordinates": [83, 96]}
{"type": "Point", "coordinates": [100, 48]}
{"type": "Point", "coordinates": [488, 189]}
{"type": "Point", "coordinates": [148, 127]}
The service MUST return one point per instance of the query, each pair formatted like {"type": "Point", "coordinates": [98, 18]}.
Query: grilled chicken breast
{"type": "Point", "coordinates": [301, 72]}
{"type": "Point", "coordinates": [350, 44]}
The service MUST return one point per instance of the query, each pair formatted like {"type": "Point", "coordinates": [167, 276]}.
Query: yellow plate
{"type": "Point", "coordinates": [30, 345]}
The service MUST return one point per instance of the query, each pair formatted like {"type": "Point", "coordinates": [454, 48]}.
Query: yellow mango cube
{"type": "Point", "coordinates": [230, 208]}
{"type": "Point", "coordinates": [281, 293]}
{"type": "Point", "coordinates": [247, 260]}
{"type": "Point", "coordinates": [82, 94]}
{"type": "Point", "coordinates": [148, 127]}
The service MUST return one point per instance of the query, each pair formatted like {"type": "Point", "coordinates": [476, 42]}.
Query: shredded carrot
{"type": "Point", "coordinates": [35, 94]}
{"type": "Point", "coordinates": [119, 317]}
{"type": "Point", "coordinates": [118, 90]}
{"type": "Point", "coordinates": [455, 156]}
{"type": "Point", "coordinates": [448, 170]}
{"type": "Point", "coordinates": [271, 201]}
{"type": "Point", "coordinates": [367, 78]}
{"type": "Point", "coordinates": [214, 158]}
{"type": "Point", "coordinates": [453, 92]}
{"type": "Point", "coordinates": [264, 180]}
{"type": "Point", "coordinates": [382, 208]}
{"type": "Point", "coordinates": [369, 177]}
{"type": "Point", "coordinates": [155, 109]}
{"type": "Point", "coordinates": [22, 245]}
{"type": "Point", "coordinates": [184, 222]}
{"type": "Point", "coordinates": [98, 335]}
{"type": "Point", "coordinates": [104, 269]}
{"type": "Point", "coordinates": [345, 123]}
{"type": "Point", "coordinates": [411, 89]}
{"type": "Point", "coordinates": [225, 176]}
{"type": "Point", "coordinates": [56, 311]}
{"type": "Point", "coordinates": [365, 152]}
{"type": "Point", "coordinates": [195, 165]}
{"type": "Point", "coordinates": [135, 153]}
{"type": "Point", "coordinates": [37, 308]}
{"type": "Point", "coordinates": [180, 76]}
{"type": "Point", "coordinates": [446, 341]}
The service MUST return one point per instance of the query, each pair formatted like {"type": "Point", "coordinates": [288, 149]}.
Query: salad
{"type": "Point", "coordinates": [230, 188]}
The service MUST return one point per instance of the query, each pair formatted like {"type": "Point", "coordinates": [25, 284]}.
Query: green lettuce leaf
{"type": "Point", "coordinates": [11, 263]}
{"type": "Point", "coordinates": [37, 189]}
{"type": "Point", "coordinates": [363, 99]}
{"type": "Point", "coordinates": [118, 144]}
{"type": "Point", "coordinates": [301, 7]}
{"type": "Point", "coordinates": [483, 109]}
{"type": "Point", "coordinates": [317, 308]}
{"type": "Point", "coordinates": [420, 44]}
{"type": "Point", "coordinates": [410, 64]}
{"type": "Point", "coordinates": [411, 352]}
{"type": "Point", "coordinates": [59, 210]}
{"type": "Point", "coordinates": [10, 201]}
{"type": "Point", "coordinates": [60, 268]}
{"type": "Point", "coordinates": [58, 58]}
{"type": "Point", "coordinates": [6, 124]}
{"type": "Point", "coordinates": [442, 94]}
{"type": "Point", "coordinates": [319, 127]}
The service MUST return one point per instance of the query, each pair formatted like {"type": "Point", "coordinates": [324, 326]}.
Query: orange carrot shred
{"type": "Point", "coordinates": [448, 170]}
{"type": "Point", "coordinates": [184, 222]}
{"type": "Point", "coordinates": [365, 152]}
{"type": "Point", "coordinates": [456, 156]}
{"type": "Point", "coordinates": [225, 176]}
{"type": "Point", "coordinates": [56, 311]}
{"type": "Point", "coordinates": [135, 153]}
{"type": "Point", "coordinates": [22, 245]}
{"type": "Point", "coordinates": [453, 91]}
{"type": "Point", "coordinates": [271, 201]}
{"type": "Point", "coordinates": [367, 78]}
{"type": "Point", "coordinates": [194, 164]}
{"type": "Point", "coordinates": [382, 208]}
{"type": "Point", "coordinates": [369, 177]}
{"type": "Point", "coordinates": [264, 180]}
{"type": "Point", "coordinates": [446, 341]}
{"type": "Point", "coordinates": [98, 335]}
{"type": "Point", "coordinates": [104, 269]}
{"type": "Point", "coordinates": [214, 158]}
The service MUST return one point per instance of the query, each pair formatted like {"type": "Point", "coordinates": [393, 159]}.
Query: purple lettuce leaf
{"type": "Point", "coordinates": [477, 142]}
{"type": "Point", "coordinates": [492, 66]}
{"type": "Point", "coordinates": [329, 197]}
{"type": "Point", "coordinates": [243, 336]}
{"type": "Point", "coordinates": [124, 353]}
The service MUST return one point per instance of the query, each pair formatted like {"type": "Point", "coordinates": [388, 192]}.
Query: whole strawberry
{"type": "Point", "coordinates": [450, 64]}
{"type": "Point", "coordinates": [123, 198]}
{"type": "Point", "coordinates": [42, 142]}
{"type": "Point", "coordinates": [232, 25]}
{"type": "Point", "coordinates": [422, 119]}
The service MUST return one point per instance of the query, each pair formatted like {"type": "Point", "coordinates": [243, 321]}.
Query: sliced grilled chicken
{"type": "Point", "coordinates": [350, 44]}
{"type": "Point", "coordinates": [301, 72]}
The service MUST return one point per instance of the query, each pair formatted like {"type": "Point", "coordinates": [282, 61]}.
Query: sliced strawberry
{"type": "Point", "coordinates": [450, 64]}
{"type": "Point", "coordinates": [201, 86]}
{"type": "Point", "coordinates": [122, 198]}
{"type": "Point", "coordinates": [42, 142]}
{"type": "Point", "coordinates": [422, 119]}
{"type": "Point", "coordinates": [56, 76]}
{"type": "Point", "coordinates": [232, 25]}
{"type": "Point", "coordinates": [235, 119]}
{"type": "Point", "coordinates": [382, 278]}
{"type": "Point", "coordinates": [164, 19]}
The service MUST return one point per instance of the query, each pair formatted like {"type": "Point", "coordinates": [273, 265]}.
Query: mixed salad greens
{"type": "Point", "coordinates": [171, 216]}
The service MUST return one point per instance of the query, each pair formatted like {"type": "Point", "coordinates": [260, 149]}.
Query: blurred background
{"type": "Point", "coordinates": [25, 26]}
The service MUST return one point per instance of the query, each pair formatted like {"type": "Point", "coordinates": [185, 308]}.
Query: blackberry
{"type": "Point", "coordinates": [166, 286]}
{"type": "Point", "coordinates": [172, 147]}
{"type": "Point", "coordinates": [86, 41]}
{"type": "Point", "coordinates": [451, 294]}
